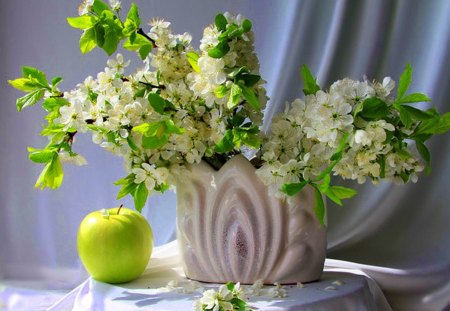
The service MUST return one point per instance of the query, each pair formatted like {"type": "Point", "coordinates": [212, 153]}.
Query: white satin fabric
{"type": "Point", "coordinates": [402, 230]}
{"type": "Point", "coordinates": [339, 289]}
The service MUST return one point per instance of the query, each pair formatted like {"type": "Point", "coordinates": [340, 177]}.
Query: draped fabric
{"type": "Point", "coordinates": [399, 235]}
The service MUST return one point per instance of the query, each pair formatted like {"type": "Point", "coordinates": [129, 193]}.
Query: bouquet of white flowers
{"type": "Point", "coordinates": [186, 105]}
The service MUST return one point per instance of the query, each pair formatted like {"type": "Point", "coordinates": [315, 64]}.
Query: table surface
{"type": "Point", "coordinates": [338, 289]}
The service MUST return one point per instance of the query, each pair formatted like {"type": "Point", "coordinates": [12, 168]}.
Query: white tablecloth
{"type": "Point", "coordinates": [340, 288]}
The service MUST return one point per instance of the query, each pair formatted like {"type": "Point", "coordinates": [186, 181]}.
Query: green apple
{"type": "Point", "coordinates": [115, 245]}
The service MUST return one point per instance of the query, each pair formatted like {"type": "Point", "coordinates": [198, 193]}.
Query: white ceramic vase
{"type": "Point", "coordinates": [230, 229]}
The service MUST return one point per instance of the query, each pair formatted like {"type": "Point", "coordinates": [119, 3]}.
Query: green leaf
{"type": "Point", "coordinates": [81, 22]}
{"type": "Point", "coordinates": [405, 116]}
{"type": "Point", "coordinates": [145, 50]}
{"type": "Point", "coordinates": [235, 96]}
{"type": "Point", "coordinates": [171, 128]}
{"type": "Point", "coordinates": [293, 188]}
{"type": "Point", "coordinates": [221, 22]}
{"type": "Point", "coordinates": [100, 6]}
{"type": "Point", "coordinates": [162, 188]}
{"type": "Point", "coordinates": [87, 41]}
{"type": "Point", "coordinates": [133, 15]}
{"type": "Point", "coordinates": [41, 156]}
{"type": "Point", "coordinates": [233, 31]}
{"type": "Point", "coordinates": [319, 207]}
{"type": "Point", "coordinates": [374, 109]}
{"type": "Point", "coordinates": [250, 97]}
{"type": "Point", "coordinates": [140, 197]}
{"type": "Point", "coordinates": [382, 162]}
{"type": "Point", "coordinates": [134, 42]}
{"type": "Point", "coordinates": [132, 144]}
{"type": "Point", "coordinates": [405, 81]}
{"type": "Point", "coordinates": [30, 72]}
{"type": "Point", "coordinates": [52, 174]}
{"type": "Point", "coordinates": [143, 128]}
{"type": "Point", "coordinates": [426, 155]}
{"type": "Point", "coordinates": [246, 25]}
{"type": "Point", "coordinates": [97, 128]}
{"type": "Point", "coordinates": [124, 181]}
{"type": "Point", "coordinates": [140, 44]}
{"type": "Point", "coordinates": [221, 91]}
{"type": "Point", "coordinates": [230, 286]}
{"type": "Point", "coordinates": [220, 50]}
{"type": "Point", "coordinates": [99, 34]}
{"type": "Point", "coordinates": [415, 114]}
{"type": "Point", "coordinates": [56, 81]}
{"type": "Point", "coordinates": [333, 197]}
{"type": "Point", "coordinates": [226, 143]}
{"type": "Point", "coordinates": [414, 98]}
{"type": "Point", "coordinates": [238, 72]}
{"type": "Point", "coordinates": [249, 79]}
{"type": "Point", "coordinates": [358, 108]}
{"type": "Point", "coordinates": [30, 99]}
{"type": "Point", "coordinates": [311, 86]}
{"type": "Point", "coordinates": [238, 118]}
{"type": "Point", "coordinates": [51, 103]}
{"type": "Point", "coordinates": [112, 40]}
{"type": "Point", "coordinates": [246, 136]}
{"type": "Point", "coordinates": [436, 125]}
{"type": "Point", "coordinates": [24, 84]}
{"type": "Point", "coordinates": [192, 58]}
{"type": "Point", "coordinates": [343, 192]}
{"type": "Point", "coordinates": [154, 142]}
{"type": "Point", "coordinates": [52, 130]}
{"type": "Point", "coordinates": [128, 186]}
{"type": "Point", "coordinates": [342, 144]}
{"type": "Point", "coordinates": [159, 104]}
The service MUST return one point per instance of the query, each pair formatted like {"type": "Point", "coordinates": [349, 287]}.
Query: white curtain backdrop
{"type": "Point", "coordinates": [405, 228]}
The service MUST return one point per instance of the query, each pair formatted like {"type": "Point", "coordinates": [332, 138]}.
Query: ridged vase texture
{"type": "Point", "coordinates": [230, 229]}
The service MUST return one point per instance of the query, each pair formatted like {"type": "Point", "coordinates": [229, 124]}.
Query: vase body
{"type": "Point", "coordinates": [230, 229]}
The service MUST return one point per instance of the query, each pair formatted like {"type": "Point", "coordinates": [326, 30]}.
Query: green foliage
{"type": "Point", "coordinates": [322, 184]}
{"type": "Point", "coordinates": [235, 96]}
{"type": "Point", "coordinates": [238, 135]}
{"type": "Point", "coordinates": [159, 104]}
{"type": "Point", "coordinates": [30, 99]}
{"type": "Point", "coordinates": [242, 88]}
{"type": "Point", "coordinates": [81, 22]}
{"type": "Point", "coordinates": [373, 109]}
{"type": "Point", "coordinates": [104, 29]}
{"type": "Point", "coordinates": [220, 22]}
{"type": "Point", "coordinates": [157, 134]}
{"type": "Point", "coordinates": [310, 84]}
{"type": "Point", "coordinates": [250, 97]}
{"type": "Point", "coordinates": [437, 124]}
{"type": "Point", "coordinates": [128, 186]}
{"type": "Point", "coordinates": [425, 154]}
{"type": "Point", "coordinates": [52, 175]}
{"type": "Point", "coordinates": [34, 82]}
{"type": "Point", "coordinates": [228, 33]}
{"type": "Point", "coordinates": [404, 82]}
{"type": "Point", "coordinates": [193, 60]}
{"type": "Point", "coordinates": [293, 188]}
{"type": "Point", "coordinates": [226, 144]}
{"type": "Point", "coordinates": [319, 207]}
{"type": "Point", "coordinates": [220, 50]}
{"type": "Point", "coordinates": [140, 196]}
{"type": "Point", "coordinates": [41, 155]}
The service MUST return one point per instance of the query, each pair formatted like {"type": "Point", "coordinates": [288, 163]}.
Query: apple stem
{"type": "Point", "coordinates": [119, 209]}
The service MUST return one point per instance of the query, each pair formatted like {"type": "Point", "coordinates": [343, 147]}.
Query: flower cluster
{"type": "Point", "coordinates": [186, 105]}
{"type": "Point", "coordinates": [304, 138]}
{"type": "Point", "coordinates": [229, 297]}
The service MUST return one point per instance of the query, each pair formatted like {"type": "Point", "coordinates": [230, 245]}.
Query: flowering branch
{"type": "Point", "coordinates": [142, 33]}
{"type": "Point", "coordinates": [207, 104]}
